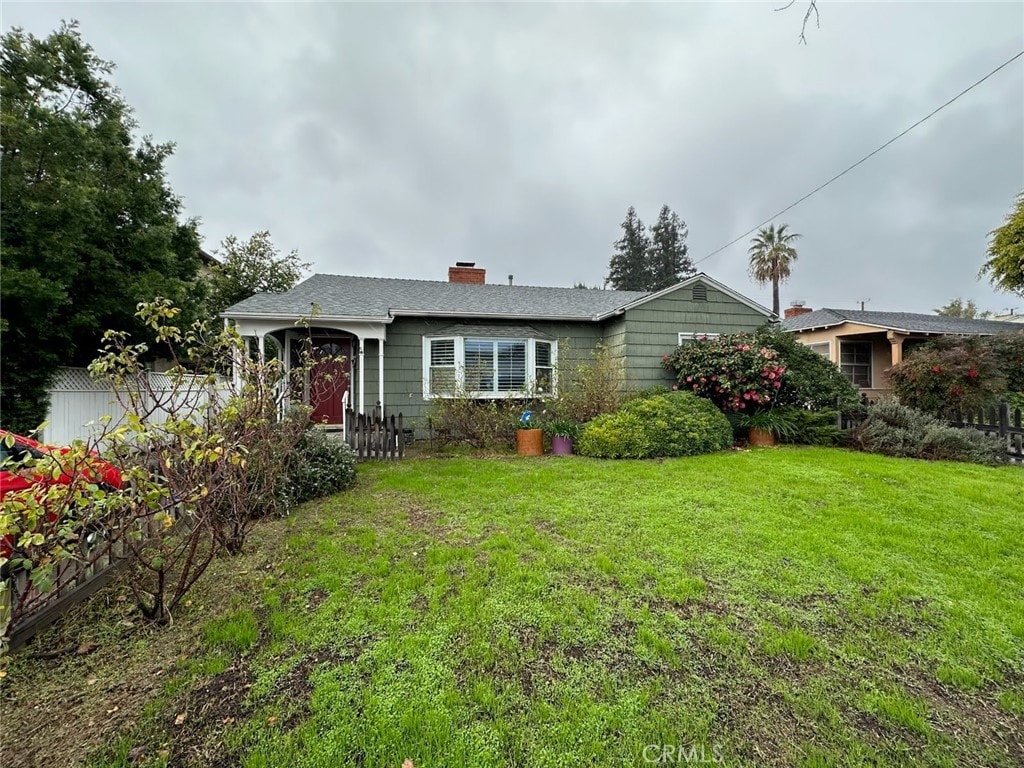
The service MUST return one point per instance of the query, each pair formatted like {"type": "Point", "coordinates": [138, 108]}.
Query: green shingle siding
{"type": "Point", "coordinates": [652, 329]}
{"type": "Point", "coordinates": [403, 359]}
{"type": "Point", "coordinates": [640, 337]}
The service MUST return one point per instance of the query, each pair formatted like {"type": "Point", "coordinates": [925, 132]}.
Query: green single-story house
{"type": "Point", "coordinates": [465, 337]}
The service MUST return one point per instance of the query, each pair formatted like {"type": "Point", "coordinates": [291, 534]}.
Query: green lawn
{"type": "Point", "coordinates": [807, 607]}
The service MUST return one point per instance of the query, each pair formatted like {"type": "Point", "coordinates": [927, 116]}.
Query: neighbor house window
{"type": "Point", "coordinates": [823, 348]}
{"type": "Point", "coordinates": [484, 367]}
{"type": "Point", "coordinates": [855, 360]}
{"type": "Point", "coordinates": [687, 336]}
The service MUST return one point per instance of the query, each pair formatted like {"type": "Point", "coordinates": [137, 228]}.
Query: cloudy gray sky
{"type": "Point", "coordinates": [395, 139]}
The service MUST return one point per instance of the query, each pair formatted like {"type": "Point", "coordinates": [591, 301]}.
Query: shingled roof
{"type": "Point", "coordinates": [381, 297]}
{"type": "Point", "coordinates": [907, 322]}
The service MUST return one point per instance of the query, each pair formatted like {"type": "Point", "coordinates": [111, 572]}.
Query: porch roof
{"type": "Point", "coordinates": [905, 322]}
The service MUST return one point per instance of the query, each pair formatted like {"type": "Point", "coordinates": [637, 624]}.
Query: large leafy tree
{"type": "Point", "coordinates": [251, 266]}
{"type": "Point", "coordinates": [89, 225]}
{"type": "Point", "coordinates": [628, 269]}
{"type": "Point", "coordinates": [667, 259]}
{"type": "Point", "coordinates": [1005, 264]}
{"type": "Point", "coordinates": [771, 255]}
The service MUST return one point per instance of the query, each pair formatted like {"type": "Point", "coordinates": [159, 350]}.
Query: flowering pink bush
{"type": "Point", "coordinates": [951, 374]}
{"type": "Point", "coordinates": [730, 371]}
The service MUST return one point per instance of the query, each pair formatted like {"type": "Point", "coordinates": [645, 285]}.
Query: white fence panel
{"type": "Point", "coordinates": [78, 404]}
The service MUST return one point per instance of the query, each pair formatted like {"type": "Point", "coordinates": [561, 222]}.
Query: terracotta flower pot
{"type": "Point", "coordinates": [530, 442]}
{"type": "Point", "coordinates": [561, 446]}
{"type": "Point", "coordinates": [761, 438]}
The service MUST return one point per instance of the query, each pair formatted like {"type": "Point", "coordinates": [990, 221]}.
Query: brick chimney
{"type": "Point", "coordinates": [795, 309]}
{"type": "Point", "coordinates": [466, 272]}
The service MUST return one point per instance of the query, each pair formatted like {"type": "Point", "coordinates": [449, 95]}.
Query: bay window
{"type": "Point", "coordinates": [481, 367]}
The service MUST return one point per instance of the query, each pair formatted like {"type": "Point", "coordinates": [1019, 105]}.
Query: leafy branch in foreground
{"type": "Point", "coordinates": [198, 462]}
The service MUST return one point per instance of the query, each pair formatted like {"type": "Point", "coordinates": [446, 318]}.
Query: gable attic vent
{"type": "Point", "coordinates": [699, 292]}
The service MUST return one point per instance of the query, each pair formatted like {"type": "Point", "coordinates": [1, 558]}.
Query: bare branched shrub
{"type": "Point", "coordinates": [588, 387]}
{"type": "Point", "coordinates": [198, 460]}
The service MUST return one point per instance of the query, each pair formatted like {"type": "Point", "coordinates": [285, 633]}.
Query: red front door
{"type": "Point", "coordinates": [328, 379]}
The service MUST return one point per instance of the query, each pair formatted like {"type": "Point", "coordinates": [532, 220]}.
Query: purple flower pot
{"type": "Point", "coordinates": [561, 446]}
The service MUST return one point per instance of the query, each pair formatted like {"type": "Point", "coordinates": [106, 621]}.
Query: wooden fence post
{"type": "Point", "coordinates": [401, 438]}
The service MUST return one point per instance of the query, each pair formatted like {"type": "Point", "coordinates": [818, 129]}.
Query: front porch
{"type": "Point", "coordinates": [867, 356]}
{"type": "Point", "coordinates": [334, 360]}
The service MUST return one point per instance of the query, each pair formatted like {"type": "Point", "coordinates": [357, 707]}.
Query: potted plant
{"type": "Point", "coordinates": [764, 428]}
{"type": "Point", "coordinates": [562, 433]}
{"type": "Point", "coordinates": [529, 437]}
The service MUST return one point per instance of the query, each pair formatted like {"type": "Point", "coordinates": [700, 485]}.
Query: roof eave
{"type": "Point", "coordinates": [812, 327]}
{"type": "Point", "coordinates": [893, 328]}
{"type": "Point", "coordinates": [493, 315]}
{"type": "Point", "coordinates": [228, 315]}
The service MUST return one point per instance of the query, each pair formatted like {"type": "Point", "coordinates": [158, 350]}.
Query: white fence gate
{"type": "Point", "coordinates": [78, 403]}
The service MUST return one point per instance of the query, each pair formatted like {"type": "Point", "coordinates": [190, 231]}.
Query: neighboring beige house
{"type": "Point", "coordinates": [1010, 317]}
{"type": "Point", "coordinates": [866, 344]}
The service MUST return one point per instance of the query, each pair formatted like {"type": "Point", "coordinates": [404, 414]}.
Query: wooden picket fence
{"type": "Point", "coordinates": [372, 436]}
{"type": "Point", "coordinates": [95, 565]}
{"type": "Point", "coordinates": [999, 422]}
{"type": "Point", "coordinates": [74, 581]}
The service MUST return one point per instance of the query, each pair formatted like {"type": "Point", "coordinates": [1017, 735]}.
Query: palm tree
{"type": "Point", "coordinates": [771, 254]}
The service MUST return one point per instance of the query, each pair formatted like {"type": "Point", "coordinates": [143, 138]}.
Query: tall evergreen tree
{"type": "Point", "coordinates": [628, 268]}
{"type": "Point", "coordinates": [90, 226]}
{"type": "Point", "coordinates": [667, 259]}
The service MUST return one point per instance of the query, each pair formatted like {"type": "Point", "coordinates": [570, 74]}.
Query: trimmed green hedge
{"type": "Point", "coordinates": [669, 424]}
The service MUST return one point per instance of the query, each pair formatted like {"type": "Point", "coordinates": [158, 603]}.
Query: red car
{"type": "Point", "coordinates": [13, 477]}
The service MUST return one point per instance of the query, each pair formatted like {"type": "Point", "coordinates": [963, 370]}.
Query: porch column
{"type": "Point", "coordinates": [236, 372]}
{"type": "Point", "coordinates": [362, 379]}
{"type": "Point", "coordinates": [896, 342]}
{"type": "Point", "coordinates": [380, 374]}
{"type": "Point", "coordinates": [260, 352]}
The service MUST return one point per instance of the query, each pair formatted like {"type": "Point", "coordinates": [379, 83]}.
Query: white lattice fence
{"type": "Point", "coordinates": [78, 403]}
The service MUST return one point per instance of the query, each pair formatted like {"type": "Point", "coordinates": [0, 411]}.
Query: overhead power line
{"type": "Point", "coordinates": [864, 159]}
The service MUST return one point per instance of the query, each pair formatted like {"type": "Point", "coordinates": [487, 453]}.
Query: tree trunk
{"type": "Point", "coordinates": [775, 296]}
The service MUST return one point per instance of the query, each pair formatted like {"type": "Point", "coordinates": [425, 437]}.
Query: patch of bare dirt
{"type": "Point", "coordinates": [65, 708]}
{"type": "Point", "coordinates": [198, 722]}
{"type": "Point", "coordinates": [975, 714]}
{"type": "Point", "coordinates": [315, 598]}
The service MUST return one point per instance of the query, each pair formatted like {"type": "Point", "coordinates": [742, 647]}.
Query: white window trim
{"type": "Point", "coordinates": [685, 336]}
{"type": "Point", "coordinates": [871, 362]}
{"type": "Point", "coordinates": [460, 368]}
{"type": "Point", "coordinates": [827, 342]}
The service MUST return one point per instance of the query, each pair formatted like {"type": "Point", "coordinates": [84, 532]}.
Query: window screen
{"type": "Point", "coordinates": [479, 366]}
{"type": "Point", "coordinates": [822, 348]}
{"type": "Point", "coordinates": [511, 365]}
{"type": "Point", "coordinates": [855, 360]}
{"type": "Point", "coordinates": [543, 367]}
{"type": "Point", "coordinates": [442, 366]}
